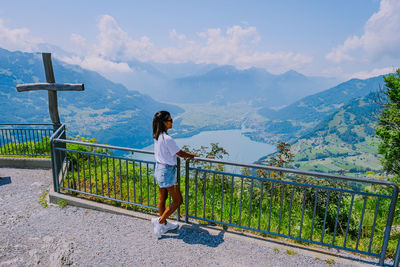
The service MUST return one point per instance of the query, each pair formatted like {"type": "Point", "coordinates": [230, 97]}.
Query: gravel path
{"type": "Point", "coordinates": [31, 235]}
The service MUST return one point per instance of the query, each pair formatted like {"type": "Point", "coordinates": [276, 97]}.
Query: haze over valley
{"type": "Point", "coordinates": [213, 98]}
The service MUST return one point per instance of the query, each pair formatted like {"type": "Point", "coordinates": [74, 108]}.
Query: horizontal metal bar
{"type": "Point", "coordinates": [27, 129]}
{"type": "Point", "coordinates": [309, 173]}
{"type": "Point", "coordinates": [103, 146]}
{"type": "Point", "coordinates": [19, 154]}
{"type": "Point", "coordinates": [6, 124]}
{"type": "Point", "coordinates": [103, 155]}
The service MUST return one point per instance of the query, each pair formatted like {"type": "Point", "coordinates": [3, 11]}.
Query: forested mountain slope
{"type": "Point", "coordinates": [343, 142]}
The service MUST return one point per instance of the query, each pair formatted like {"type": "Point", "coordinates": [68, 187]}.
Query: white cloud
{"type": "Point", "coordinates": [17, 39]}
{"type": "Point", "coordinates": [233, 46]}
{"type": "Point", "coordinates": [175, 36]}
{"type": "Point", "coordinates": [381, 37]}
{"type": "Point", "coordinates": [115, 44]}
{"type": "Point", "coordinates": [78, 39]}
{"type": "Point", "coordinates": [99, 64]}
{"type": "Point", "coordinates": [372, 73]}
{"type": "Point", "coordinates": [79, 42]}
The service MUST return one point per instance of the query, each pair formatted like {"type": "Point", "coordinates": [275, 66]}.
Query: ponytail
{"type": "Point", "coordinates": [158, 123]}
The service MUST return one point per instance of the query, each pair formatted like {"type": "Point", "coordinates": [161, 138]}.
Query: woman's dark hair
{"type": "Point", "coordinates": [158, 122]}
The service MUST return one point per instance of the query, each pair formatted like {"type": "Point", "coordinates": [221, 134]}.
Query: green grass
{"type": "Point", "coordinates": [42, 199]}
{"type": "Point", "coordinates": [330, 261]}
{"type": "Point", "coordinates": [62, 203]}
{"type": "Point", "coordinates": [291, 252]}
{"type": "Point", "coordinates": [27, 148]}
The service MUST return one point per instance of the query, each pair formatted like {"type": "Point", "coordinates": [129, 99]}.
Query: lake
{"type": "Point", "coordinates": [240, 148]}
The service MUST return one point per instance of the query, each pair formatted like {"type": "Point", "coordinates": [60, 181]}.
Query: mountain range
{"type": "Point", "coordinates": [227, 85]}
{"type": "Point", "coordinates": [105, 110]}
{"type": "Point", "coordinates": [190, 83]}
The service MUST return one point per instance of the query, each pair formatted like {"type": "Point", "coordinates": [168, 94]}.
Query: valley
{"type": "Point", "coordinates": [330, 130]}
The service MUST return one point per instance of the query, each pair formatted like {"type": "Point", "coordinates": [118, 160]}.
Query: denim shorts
{"type": "Point", "coordinates": [165, 175]}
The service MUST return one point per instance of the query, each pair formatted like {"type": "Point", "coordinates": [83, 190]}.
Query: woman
{"type": "Point", "coordinates": [165, 153]}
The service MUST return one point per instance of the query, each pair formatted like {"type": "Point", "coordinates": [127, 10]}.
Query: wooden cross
{"type": "Point", "coordinates": [51, 88]}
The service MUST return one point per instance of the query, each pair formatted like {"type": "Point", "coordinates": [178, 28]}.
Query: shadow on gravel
{"type": "Point", "coordinates": [5, 180]}
{"type": "Point", "coordinates": [193, 234]}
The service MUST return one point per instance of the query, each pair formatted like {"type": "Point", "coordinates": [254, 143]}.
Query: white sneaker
{"type": "Point", "coordinates": [157, 227]}
{"type": "Point", "coordinates": [170, 226]}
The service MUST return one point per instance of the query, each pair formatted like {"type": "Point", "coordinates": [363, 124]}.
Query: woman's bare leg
{"type": "Point", "coordinates": [176, 195]}
{"type": "Point", "coordinates": [162, 198]}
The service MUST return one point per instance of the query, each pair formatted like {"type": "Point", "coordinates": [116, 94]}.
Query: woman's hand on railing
{"type": "Point", "coordinates": [186, 155]}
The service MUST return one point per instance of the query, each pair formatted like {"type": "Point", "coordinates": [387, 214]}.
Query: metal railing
{"type": "Point", "coordinates": [329, 210]}
{"type": "Point", "coordinates": [346, 213]}
{"type": "Point", "coordinates": [22, 139]}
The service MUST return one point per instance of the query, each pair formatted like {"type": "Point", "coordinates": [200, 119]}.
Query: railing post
{"type": "Point", "coordinates": [54, 165]}
{"type": "Point", "coordinates": [57, 159]}
{"type": "Point", "coordinates": [187, 191]}
{"type": "Point", "coordinates": [63, 145]}
{"type": "Point", "coordinates": [389, 225]}
{"type": "Point", "coordinates": [178, 178]}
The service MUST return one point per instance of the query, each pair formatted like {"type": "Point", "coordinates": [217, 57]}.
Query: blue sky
{"type": "Point", "coordinates": [341, 38]}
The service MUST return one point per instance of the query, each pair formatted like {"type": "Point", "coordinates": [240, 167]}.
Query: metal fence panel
{"type": "Point", "coordinates": [329, 210]}
{"type": "Point", "coordinates": [28, 140]}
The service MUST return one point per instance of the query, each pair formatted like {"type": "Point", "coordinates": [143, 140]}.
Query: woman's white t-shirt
{"type": "Point", "coordinates": [165, 149]}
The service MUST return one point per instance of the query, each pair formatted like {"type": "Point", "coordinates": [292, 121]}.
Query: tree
{"type": "Point", "coordinates": [213, 152]}
{"type": "Point", "coordinates": [282, 158]}
{"type": "Point", "coordinates": [388, 128]}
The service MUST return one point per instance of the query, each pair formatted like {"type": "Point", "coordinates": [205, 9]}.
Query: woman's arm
{"type": "Point", "coordinates": [185, 155]}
